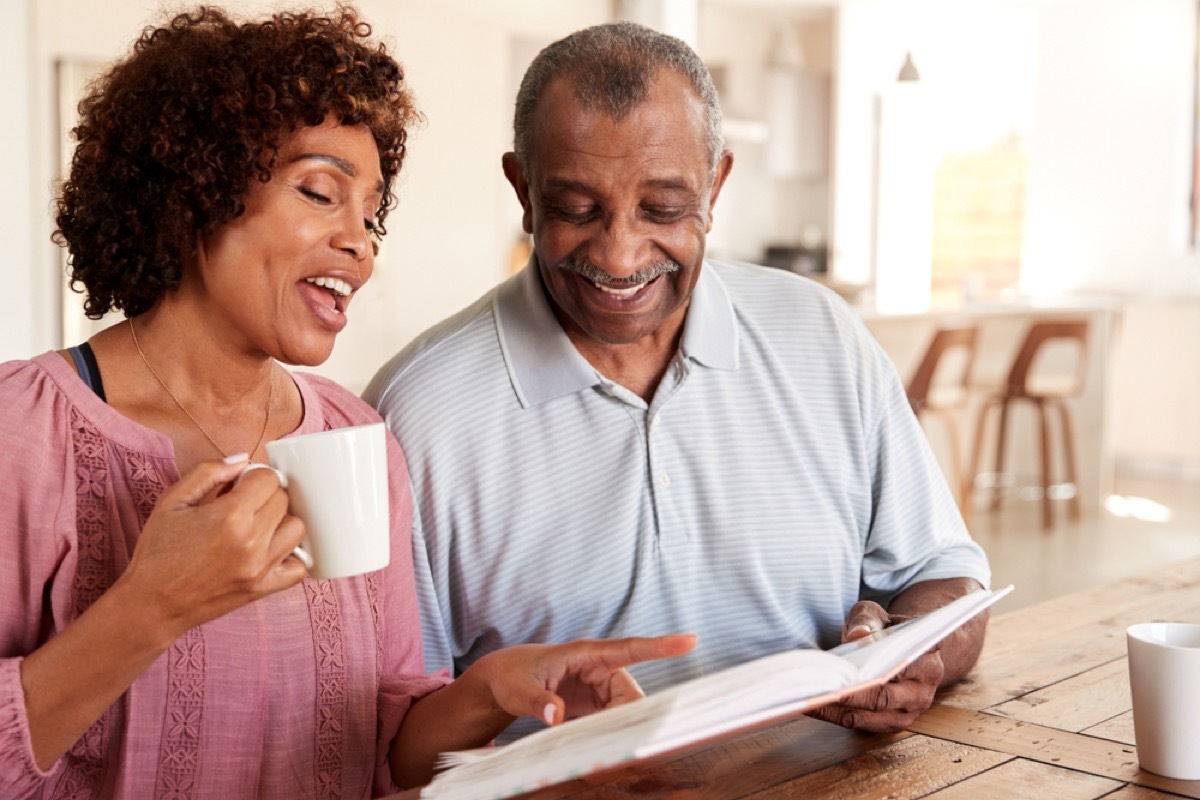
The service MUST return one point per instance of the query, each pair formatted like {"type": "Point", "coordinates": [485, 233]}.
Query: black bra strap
{"type": "Point", "coordinates": [89, 370]}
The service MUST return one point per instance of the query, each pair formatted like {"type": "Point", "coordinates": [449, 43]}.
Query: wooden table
{"type": "Point", "coordinates": [1045, 713]}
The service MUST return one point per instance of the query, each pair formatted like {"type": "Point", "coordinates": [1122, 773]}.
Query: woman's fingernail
{"type": "Point", "coordinates": [548, 713]}
{"type": "Point", "coordinates": [864, 629]}
{"type": "Point", "coordinates": [236, 458]}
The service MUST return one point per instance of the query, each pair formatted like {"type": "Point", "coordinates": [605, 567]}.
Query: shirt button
{"type": "Point", "coordinates": [664, 479]}
{"type": "Point", "coordinates": [654, 422]}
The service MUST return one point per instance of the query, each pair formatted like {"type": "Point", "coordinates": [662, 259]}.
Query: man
{"type": "Point", "coordinates": [628, 439]}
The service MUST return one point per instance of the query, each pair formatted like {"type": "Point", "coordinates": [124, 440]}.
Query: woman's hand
{"type": "Point", "coordinates": [215, 543]}
{"type": "Point", "coordinates": [549, 681]}
{"type": "Point", "coordinates": [207, 548]}
{"type": "Point", "coordinates": [554, 682]}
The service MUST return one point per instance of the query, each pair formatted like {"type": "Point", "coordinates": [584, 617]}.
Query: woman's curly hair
{"type": "Point", "coordinates": [171, 136]}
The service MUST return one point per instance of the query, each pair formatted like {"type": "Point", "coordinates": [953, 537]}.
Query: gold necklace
{"type": "Point", "coordinates": [188, 414]}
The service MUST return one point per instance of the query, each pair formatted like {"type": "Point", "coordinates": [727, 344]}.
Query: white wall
{"type": "Point", "coordinates": [1155, 427]}
{"type": "Point", "coordinates": [20, 328]}
{"type": "Point", "coordinates": [758, 206]}
{"type": "Point", "coordinates": [1111, 161]}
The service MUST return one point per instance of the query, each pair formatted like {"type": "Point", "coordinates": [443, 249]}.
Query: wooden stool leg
{"type": "Point", "coordinates": [1000, 438]}
{"type": "Point", "coordinates": [1064, 413]}
{"type": "Point", "coordinates": [967, 490]}
{"type": "Point", "coordinates": [955, 456]}
{"type": "Point", "coordinates": [1044, 442]}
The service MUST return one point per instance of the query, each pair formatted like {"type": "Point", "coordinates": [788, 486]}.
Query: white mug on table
{"type": "Point", "coordinates": [337, 484]}
{"type": "Point", "coordinates": [1164, 679]}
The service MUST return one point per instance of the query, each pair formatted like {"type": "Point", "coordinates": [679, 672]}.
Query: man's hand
{"type": "Point", "coordinates": [896, 704]}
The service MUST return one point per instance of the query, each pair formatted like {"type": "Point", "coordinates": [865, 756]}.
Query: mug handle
{"type": "Point", "coordinates": [299, 552]}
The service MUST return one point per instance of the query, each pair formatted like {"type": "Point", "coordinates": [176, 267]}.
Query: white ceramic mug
{"type": "Point", "coordinates": [337, 482]}
{"type": "Point", "coordinates": [1164, 679]}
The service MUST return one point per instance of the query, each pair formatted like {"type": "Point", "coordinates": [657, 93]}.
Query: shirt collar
{"type": "Point", "coordinates": [710, 332]}
{"type": "Point", "coordinates": [544, 365]}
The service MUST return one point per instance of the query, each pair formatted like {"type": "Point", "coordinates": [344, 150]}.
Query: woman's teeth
{"type": "Point", "coordinates": [335, 285]}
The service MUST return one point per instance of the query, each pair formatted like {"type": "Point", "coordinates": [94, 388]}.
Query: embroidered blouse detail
{"type": "Point", "coordinates": [372, 580]}
{"type": "Point", "coordinates": [183, 726]}
{"type": "Point", "coordinates": [83, 765]}
{"type": "Point", "coordinates": [326, 619]}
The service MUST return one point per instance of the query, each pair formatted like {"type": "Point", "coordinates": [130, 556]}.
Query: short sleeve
{"type": "Point", "coordinates": [916, 533]}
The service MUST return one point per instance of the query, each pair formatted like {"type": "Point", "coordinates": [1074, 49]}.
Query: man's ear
{"type": "Point", "coordinates": [724, 167]}
{"type": "Point", "coordinates": [516, 177]}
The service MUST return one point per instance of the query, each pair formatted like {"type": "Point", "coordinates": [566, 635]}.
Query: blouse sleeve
{"type": "Point", "coordinates": [37, 555]}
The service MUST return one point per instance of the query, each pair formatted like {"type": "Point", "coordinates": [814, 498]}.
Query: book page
{"type": "Point", "coordinates": [885, 653]}
{"type": "Point", "coordinates": [746, 694]}
{"type": "Point", "coordinates": [795, 681]}
{"type": "Point", "coordinates": [553, 755]}
{"type": "Point", "coordinates": [686, 713]}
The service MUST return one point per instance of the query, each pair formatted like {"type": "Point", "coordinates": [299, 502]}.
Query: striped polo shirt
{"type": "Point", "coordinates": [777, 476]}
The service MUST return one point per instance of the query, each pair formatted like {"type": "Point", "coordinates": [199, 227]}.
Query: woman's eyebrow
{"type": "Point", "coordinates": [340, 163]}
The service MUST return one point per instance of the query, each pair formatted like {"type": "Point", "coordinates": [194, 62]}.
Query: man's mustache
{"type": "Point", "coordinates": [586, 269]}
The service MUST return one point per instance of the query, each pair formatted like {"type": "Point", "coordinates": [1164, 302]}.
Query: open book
{"type": "Point", "coordinates": [765, 690]}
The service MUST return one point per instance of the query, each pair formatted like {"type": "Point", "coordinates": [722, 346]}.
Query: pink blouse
{"type": "Point", "coordinates": [296, 695]}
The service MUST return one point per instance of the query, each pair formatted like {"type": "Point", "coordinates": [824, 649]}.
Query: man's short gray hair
{"type": "Point", "coordinates": [610, 67]}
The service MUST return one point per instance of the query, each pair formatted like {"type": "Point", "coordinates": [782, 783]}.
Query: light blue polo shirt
{"type": "Point", "coordinates": [777, 477]}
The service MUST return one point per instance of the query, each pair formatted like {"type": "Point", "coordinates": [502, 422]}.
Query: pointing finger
{"type": "Point", "coordinates": [615, 653]}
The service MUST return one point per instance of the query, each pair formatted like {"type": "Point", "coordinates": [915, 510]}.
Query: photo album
{"type": "Point", "coordinates": [765, 690]}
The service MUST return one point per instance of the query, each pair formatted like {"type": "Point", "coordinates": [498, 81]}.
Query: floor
{"type": "Point", "coordinates": [1105, 545]}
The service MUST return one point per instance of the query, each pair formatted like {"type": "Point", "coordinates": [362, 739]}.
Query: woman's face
{"type": "Point", "coordinates": [282, 275]}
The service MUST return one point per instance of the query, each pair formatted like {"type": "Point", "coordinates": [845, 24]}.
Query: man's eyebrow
{"type": "Point", "coordinates": [340, 163]}
{"type": "Point", "coordinates": [568, 185]}
{"type": "Point", "coordinates": [669, 183]}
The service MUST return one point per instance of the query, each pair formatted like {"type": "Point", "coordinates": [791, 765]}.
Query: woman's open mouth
{"type": "Point", "coordinates": [339, 291]}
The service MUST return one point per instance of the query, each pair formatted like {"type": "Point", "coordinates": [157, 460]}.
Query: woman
{"type": "Point", "coordinates": [157, 637]}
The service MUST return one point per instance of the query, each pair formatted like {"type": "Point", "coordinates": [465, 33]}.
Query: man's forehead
{"type": "Point", "coordinates": [665, 167]}
{"type": "Point", "coordinates": [670, 118]}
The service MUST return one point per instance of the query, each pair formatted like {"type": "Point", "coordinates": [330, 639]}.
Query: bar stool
{"type": "Point", "coordinates": [940, 385]}
{"type": "Point", "coordinates": [1044, 390]}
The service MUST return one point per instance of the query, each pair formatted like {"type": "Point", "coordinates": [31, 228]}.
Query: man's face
{"type": "Point", "coordinates": [619, 211]}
